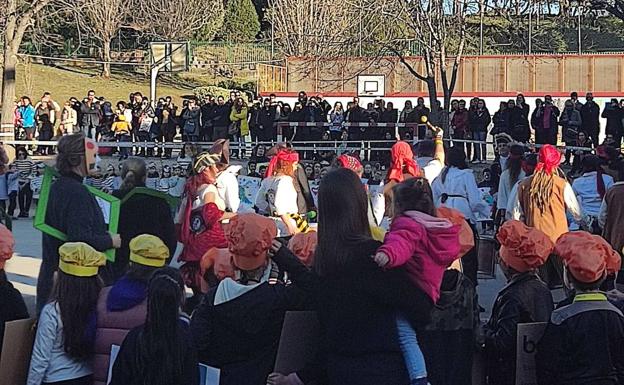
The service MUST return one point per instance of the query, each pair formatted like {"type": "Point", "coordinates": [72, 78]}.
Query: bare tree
{"type": "Point", "coordinates": [177, 19]}
{"type": "Point", "coordinates": [320, 29]}
{"type": "Point", "coordinates": [441, 35]}
{"type": "Point", "coordinates": [100, 20]}
{"type": "Point", "coordinates": [18, 17]}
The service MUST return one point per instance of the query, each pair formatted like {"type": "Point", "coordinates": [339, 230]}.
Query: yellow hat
{"type": "Point", "coordinates": [148, 250]}
{"type": "Point", "coordinates": [80, 260]}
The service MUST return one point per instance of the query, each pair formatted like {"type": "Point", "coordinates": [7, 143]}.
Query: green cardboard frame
{"type": "Point", "coordinates": [171, 201]}
{"type": "Point", "coordinates": [42, 208]}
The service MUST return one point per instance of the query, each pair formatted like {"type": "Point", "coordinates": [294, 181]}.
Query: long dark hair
{"type": "Point", "coordinates": [456, 157]}
{"type": "Point", "coordinates": [413, 194]}
{"type": "Point", "coordinates": [161, 345]}
{"type": "Point", "coordinates": [343, 220]}
{"type": "Point", "coordinates": [592, 163]}
{"type": "Point", "coordinates": [514, 163]}
{"type": "Point", "coordinates": [77, 300]}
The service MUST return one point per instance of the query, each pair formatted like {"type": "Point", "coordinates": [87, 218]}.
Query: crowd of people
{"type": "Point", "coordinates": [394, 289]}
{"type": "Point", "coordinates": [249, 120]}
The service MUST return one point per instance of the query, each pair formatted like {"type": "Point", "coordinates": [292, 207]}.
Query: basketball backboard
{"type": "Point", "coordinates": [371, 85]}
{"type": "Point", "coordinates": [177, 52]}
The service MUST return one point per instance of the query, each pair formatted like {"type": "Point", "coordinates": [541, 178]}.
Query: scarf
{"type": "Point", "coordinates": [402, 162]}
{"type": "Point", "coordinates": [282, 155]}
{"type": "Point", "coordinates": [349, 162]}
{"type": "Point", "coordinates": [549, 159]}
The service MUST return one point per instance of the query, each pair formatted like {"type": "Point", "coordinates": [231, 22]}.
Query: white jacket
{"type": "Point", "coordinates": [227, 187]}
{"type": "Point", "coordinates": [467, 197]}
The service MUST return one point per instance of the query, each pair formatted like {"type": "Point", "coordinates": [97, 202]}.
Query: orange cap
{"type": "Point", "coordinates": [7, 243]}
{"type": "Point", "coordinates": [523, 248]}
{"type": "Point", "coordinates": [466, 237]}
{"type": "Point", "coordinates": [303, 245]}
{"type": "Point", "coordinates": [250, 238]}
{"type": "Point", "coordinates": [587, 256]}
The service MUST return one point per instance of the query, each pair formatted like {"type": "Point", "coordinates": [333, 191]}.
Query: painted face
{"type": "Point", "coordinates": [91, 156]}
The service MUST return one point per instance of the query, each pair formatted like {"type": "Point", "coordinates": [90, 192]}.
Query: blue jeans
{"type": "Point", "coordinates": [480, 151]}
{"type": "Point", "coordinates": [414, 359]}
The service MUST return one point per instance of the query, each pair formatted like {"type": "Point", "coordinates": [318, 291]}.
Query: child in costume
{"type": "Point", "coordinates": [123, 305]}
{"type": "Point", "coordinates": [426, 245]}
{"type": "Point", "coordinates": [238, 324]}
{"type": "Point", "coordinates": [152, 176]}
{"type": "Point", "coordinates": [584, 341]}
{"type": "Point", "coordinates": [164, 184]}
{"type": "Point", "coordinates": [524, 299]}
{"type": "Point", "coordinates": [66, 327]}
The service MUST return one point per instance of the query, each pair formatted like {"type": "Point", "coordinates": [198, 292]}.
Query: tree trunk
{"type": "Point", "coordinates": [8, 97]}
{"type": "Point", "coordinates": [106, 56]}
{"type": "Point", "coordinates": [432, 89]}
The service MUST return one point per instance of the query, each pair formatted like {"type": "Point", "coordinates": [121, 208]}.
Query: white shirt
{"type": "Point", "coordinates": [431, 167]}
{"type": "Point", "coordinates": [176, 186]}
{"type": "Point", "coordinates": [49, 362]}
{"type": "Point", "coordinates": [462, 183]}
{"type": "Point", "coordinates": [503, 162]}
{"type": "Point", "coordinates": [227, 186]}
{"type": "Point", "coordinates": [277, 196]}
{"type": "Point", "coordinates": [504, 189]}
{"type": "Point", "coordinates": [586, 191]}
{"type": "Point", "coordinates": [514, 209]}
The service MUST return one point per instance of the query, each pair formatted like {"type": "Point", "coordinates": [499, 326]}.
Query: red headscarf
{"type": "Point", "coordinates": [350, 162]}
{"type": "Point", "coordinates": [402, 162]}
{"type": "Point", "coordinates": [285, 155]}
{"type": "Point", "coordinates": [549, 159]}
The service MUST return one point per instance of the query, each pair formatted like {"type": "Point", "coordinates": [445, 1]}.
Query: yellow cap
{"type": "Point", "coordinates": [148, 250]}
{"type": "Point", "coordinates": [80, 260]}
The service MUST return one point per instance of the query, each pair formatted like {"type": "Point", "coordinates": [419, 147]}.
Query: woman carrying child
{"type": "Point", "coordinates": [426, 246]}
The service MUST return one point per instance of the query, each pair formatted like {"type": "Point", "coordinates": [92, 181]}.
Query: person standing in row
{"type": "Point", "coordinates": [545, 125]}
{"type": "Point", "coordinates": [80, 218]}
{"type": "Point", "coordinates": [590, 118]}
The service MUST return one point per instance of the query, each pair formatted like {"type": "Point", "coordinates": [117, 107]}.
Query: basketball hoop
{"type": "Point", "coordinates": [371, 85]}
{"type": "Point", "coordinates": [167, 57]}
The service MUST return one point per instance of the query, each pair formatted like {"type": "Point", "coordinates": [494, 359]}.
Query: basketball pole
{"type": "Point", "coordinates": [154, 75]}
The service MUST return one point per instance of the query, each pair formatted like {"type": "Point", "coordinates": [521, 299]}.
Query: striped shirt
{"type": "Point", "coordinates": [25, 169]}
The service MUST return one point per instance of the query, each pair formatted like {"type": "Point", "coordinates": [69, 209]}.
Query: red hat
{"type": "Point", "coordinates": [523, 248]}
{"type": "Point", "coordinates": [350, 162]}
{"type": "Point", "coordinates": [466, 236]}
{"type": "Point", "coordinates": [250, 238]}
{"type": "Point", "coordinates": [7, 243]}
{"type": "Point", "coordinates": [587, 256]}
{"type": "Point", "coordinates": [303, 245]}
{"type": "Point", "coordinates": [285, 155]}
{"type": "Point", "coordinates": [548, 159]}
{"type": "Point", "coordinates": [402, 162]}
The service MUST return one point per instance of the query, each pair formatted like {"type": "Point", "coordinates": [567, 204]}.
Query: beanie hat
{"type": "Point", "coordinates": [250, 238]}
{"type": "Point", "coordinates": [7, 243]}
{"type": "Point", "coordinates": [587, 256]}
{"type": "Point", "coordinates": [80, 260]}
{"type": "Point", "coordinates": [303, 245]}
{"type": "Point", "coordinates": [523, 248]}
{"type": "Point", "coordinates": [148, 250]}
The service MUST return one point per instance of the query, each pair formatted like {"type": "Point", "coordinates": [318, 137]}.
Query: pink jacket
{"type": "Point", "coordinates": [112, 328]}
{"type": "Point", "coordinates": [426, 245]}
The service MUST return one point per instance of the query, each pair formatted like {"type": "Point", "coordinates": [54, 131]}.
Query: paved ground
{"type": "Point", "coordinates": [23, 268]}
